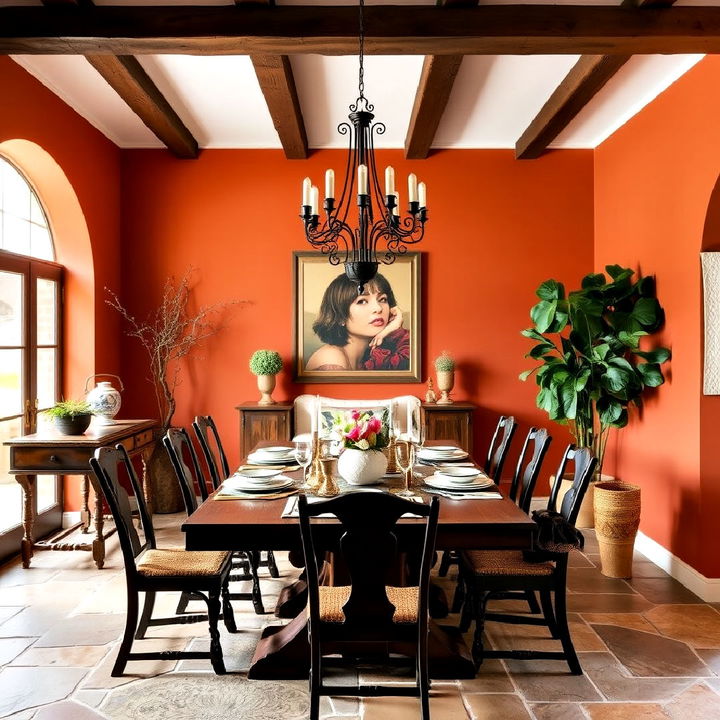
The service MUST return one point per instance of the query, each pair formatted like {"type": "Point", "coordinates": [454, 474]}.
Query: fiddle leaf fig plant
{"type": "Point", "coordinates": [592, 368]}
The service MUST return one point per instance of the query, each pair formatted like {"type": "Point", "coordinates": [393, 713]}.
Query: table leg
{"type": "Point", "coordinates": [98, 546]}
{"type": "Point", "coordinates": [85, 507]}
{"type": "Point", "coordinates": [27, 482]}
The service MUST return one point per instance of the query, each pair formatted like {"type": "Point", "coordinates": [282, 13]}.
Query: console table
{"type": "Point", "coordinates": [50, 453]}
{"type": "Point", "coordinates": [446, 422]}
{"type": "Point", "coordinates": [263, 422]}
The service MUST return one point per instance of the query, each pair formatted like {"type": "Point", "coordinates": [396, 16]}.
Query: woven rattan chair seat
{"type": "Point", "coordinates": [332, 599]}
{"type": "Point", "coordinates": [503, 562]}
{"type": "Point", "coordinates": [185, 563]}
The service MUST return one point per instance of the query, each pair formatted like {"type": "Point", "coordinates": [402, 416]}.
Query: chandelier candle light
{"type": "Point", "coordinates": [381, 233]}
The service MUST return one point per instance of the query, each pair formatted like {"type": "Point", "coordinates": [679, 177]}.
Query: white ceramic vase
{"type": "Point", "coordinates": [104, 400]}
{"type": "Point", "coordinates": [361, 467]}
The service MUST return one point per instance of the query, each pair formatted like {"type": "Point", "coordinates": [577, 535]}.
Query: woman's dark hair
{"type": "Point", "coordinates": [335, 307]}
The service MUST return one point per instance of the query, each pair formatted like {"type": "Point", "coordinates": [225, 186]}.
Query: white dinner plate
{"type": "Point", "coordinates": [276, 449]}
{"type": "Point", "coordinates": [466, 475]}
{"type": "Point", "coordinates": [258, 473]}
{"type": "Point", "coordinates": [238, 482]}
{"type": "Point", "coordinates": [480, 483]}
{"type": "Point", "coordinates": [428, 454]}
{"type": "Point", "coordinates": [258, 458]}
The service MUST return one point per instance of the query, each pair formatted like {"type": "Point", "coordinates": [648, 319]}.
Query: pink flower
{"type": "Point", "coordinates": [355, 415]}
{"type": "Point", "coordinates": [374, 425]}
{"type": "Point", "coordinates": [354, 434]}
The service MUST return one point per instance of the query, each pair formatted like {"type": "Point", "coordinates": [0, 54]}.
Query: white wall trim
{"type": "Point", "coordinates": [70, 518]}
{"type": "Point", "coordinates": [706, 588]}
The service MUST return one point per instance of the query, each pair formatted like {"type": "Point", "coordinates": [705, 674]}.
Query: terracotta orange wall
{"type": "Point", "coordinates": [653, 181]}
{"type": "Point", "coordinates": [91, 164]}
{"type": "Point", "coordinates": [498, 228]}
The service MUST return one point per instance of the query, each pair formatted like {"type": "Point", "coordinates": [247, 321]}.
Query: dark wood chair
{"type": "Point", "coordinates": [523, 484]}
{"type": "Point", "coordinates": [208, 438]}
{"type": "Point", "coordinates": [367, 611]}
{"type": "Point", "coordinates": [149, 570]}
{"type": "Point", "coordinates": [245, 564]}
{"type": "Point", "coordinates": [544, 571]}
{"type": "Point", "coordinates": [494, 463]}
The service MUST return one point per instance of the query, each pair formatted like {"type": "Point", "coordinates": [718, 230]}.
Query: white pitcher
{"type": "Point", "coordinates": [104, 399]}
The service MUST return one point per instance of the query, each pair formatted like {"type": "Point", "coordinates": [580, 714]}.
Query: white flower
{"type": "Point", "coordinates": [362, 445]}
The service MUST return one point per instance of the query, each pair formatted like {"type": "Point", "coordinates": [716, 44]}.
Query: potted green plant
{"type": "Point", "coordinates": [70, 417]}
{"type": "Point", "coordinates": [445, 370]}
{"type": "Point", "coordinates": [266, 364]}
{"type": "Point", "coordinates": [592, 368]}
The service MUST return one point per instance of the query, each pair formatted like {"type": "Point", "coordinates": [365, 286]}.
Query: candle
{"type": "Point", "coordinates": [314, 195]}
{"type": "Point", "coordinates": [408, 420]}
{"type": "Point", "coordinates": [306, 191]}
{"type": "Point", "coordinates": [362, 180]}
{"type": "Point", "coordinates": [329, 183]}
{"type": "Point", "coordinates": [412, 188]}
{"type": "Point", "coordinates": [389, 180]}
{"type": "Point", "coordinates": [391, 423]}
{"type": "Point", "coordinates": [313, 416]}
{"type": "Point", "coordinates": [422, 195]}
{"type": "Point", "coordinates": [396, 209]}
{"type": "Point", "coordinates": [318, 409]}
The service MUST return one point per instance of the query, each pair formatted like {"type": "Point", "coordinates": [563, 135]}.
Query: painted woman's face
{"type": "Point", "coordinates": [369, 313]}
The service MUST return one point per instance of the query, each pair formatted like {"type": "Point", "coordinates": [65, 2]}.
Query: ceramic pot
{"type": "Point", "coordinates": [361, 467]}
{"type": "Point", "coordinates": [617, 518]}
{"type": "Point", "coordinates": [104, 400]}
{"type": "Point", "coordinates": [445, 383]}
{"type": "Point", "coordinates": [266, 384]}
{"type": "Point", "coordinates": [75, 425]}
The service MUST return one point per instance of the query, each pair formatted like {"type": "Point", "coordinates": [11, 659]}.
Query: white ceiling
{"type": "Point", "coordinates": [493, 100]}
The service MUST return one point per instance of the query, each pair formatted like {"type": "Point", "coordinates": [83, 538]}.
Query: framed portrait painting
{"type": "Point", "coordinates": [341, 336]}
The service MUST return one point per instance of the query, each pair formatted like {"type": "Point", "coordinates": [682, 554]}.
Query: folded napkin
{"type": "Point", "coordinates": [279, 468]}
{"type": "Point", "coordinates": [475, 495]}
{"type": "Point", "coordinates": [291, 507]}
{"type": "Point", "coordinates": [240, 495]}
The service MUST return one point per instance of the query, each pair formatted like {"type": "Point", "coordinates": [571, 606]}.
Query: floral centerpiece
{"type": "Point", "coordinates": [363, 434]}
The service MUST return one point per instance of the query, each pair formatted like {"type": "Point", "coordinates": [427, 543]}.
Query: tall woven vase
{"type": "Point", "coordinates": [617, 518]}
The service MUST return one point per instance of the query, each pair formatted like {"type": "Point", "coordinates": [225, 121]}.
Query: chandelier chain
{"type": "Point", "coordinates": [361, 70]}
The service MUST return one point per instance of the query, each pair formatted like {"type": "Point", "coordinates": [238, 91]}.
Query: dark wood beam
{"type": "Point", "coordinates": [406, 30]}
{"type": "Point", "coordinates": [278, 86]}
{"type": "Point", "coordinates": [586, 78]}
{"type": "Point", "coordinates": [436, 82]}
{"type": "Point", "coordinates": [127, 77]}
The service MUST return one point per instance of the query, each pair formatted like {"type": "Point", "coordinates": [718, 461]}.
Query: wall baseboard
{"type": "Point", "coordinates": [70, 518]}
{"type": "Point", "coordinates": [706, 588]}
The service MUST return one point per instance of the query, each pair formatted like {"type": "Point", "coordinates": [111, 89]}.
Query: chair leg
{"type": "Point", "coordinates": [216, 655]}
{"type": "Point", "coordinates": [444, 563]}
{"type": "Point", "coordinates": [272, 567]}
{"type": "Point", "coordinates": [315, 677]}
{"type": "Point", "coordinates": [564, 632]}
{"type": "Point", "coordinates": [227, 610]}
{"type": "Point", "coordinates": [477, 647]}
{"type": "Point", "coordinates": [548, 612]}
{"type": "Point", "coordinates": [459, 594]}
{"type": "Point", "coordinates": [130, 625]}
{"type": "Point", "coordinates": [257, 600]}
{"type": "Point", "coordinates": [148, 606]}
{"type": "Point", "coordinates": [466, 616]}
{"type": "Point", "coordinates": [532, 602]}
{"type": "Point", "coordinates": [183, 602]}
{"type": "Point", "coordinates": [423, 674]}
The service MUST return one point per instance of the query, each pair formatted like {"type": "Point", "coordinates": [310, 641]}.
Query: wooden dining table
{"type": "Point", "coordinates": [283, 651]}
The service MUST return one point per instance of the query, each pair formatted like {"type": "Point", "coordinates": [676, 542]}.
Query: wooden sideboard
{"type": "Point", "coordinates": [449, 422]}
{"type": "Point", "coordinates": [264, 422]}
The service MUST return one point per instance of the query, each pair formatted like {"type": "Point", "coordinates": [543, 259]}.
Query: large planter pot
{"type": "Point", "coordinates": [73, 425]}
{"type": "Point", "coordinates": [617, 518]}
{"type": "Point", "coordinates": [166, 494]}
{"type": "Point", "coordinates": [361, 467]}
{"type": "Point", "coordinates": [445, 383]}
{"type": "Point", "coordinates": [266, 384]}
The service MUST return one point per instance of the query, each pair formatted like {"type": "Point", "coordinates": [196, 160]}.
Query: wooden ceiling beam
{"type": "Point", "coordinates": [409, 30]}
{"type": "Point", "coordinates": [130, 81]}
{"type": "Point", "coordinates": [585, 80]}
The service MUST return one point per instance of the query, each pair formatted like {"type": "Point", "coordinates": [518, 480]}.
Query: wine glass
{"type": "Point", "coordinates": [303, 457]}
{"type": "Point", "coordinates": [405, 459]}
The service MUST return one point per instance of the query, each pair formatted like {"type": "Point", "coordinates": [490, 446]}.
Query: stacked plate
{"type": "Point", "coordinates": [441, 453]}
{"type": "Point", "coordinates": [459, 478]}
{"type": "Point", "coordinates": [272, 455]}
{"type": "Point", "coordinates": [260, 481]}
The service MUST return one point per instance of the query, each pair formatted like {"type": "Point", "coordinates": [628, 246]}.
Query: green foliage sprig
{"type": "Point", "coordinates": [265, 362]}
{"type": "Point", "coordinates": [592, 368]}
{"type": "Point", "coordinates": [444, 362]}
{"type": "Point", "coordinates": [68, 409]}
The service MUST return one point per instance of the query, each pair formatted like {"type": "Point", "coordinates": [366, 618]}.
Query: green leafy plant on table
{"type": "Point", "coordinates": [69, 409]}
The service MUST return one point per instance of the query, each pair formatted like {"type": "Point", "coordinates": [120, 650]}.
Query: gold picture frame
{"type": "Point", "coordinates": [397, 359]}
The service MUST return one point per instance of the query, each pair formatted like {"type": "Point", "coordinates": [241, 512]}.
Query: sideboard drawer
{"type": "Point", "coordinates": [144, 438]}
{"type": "Point", "coordinates": [51, 459]}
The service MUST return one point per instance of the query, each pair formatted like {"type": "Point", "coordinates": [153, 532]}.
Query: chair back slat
{"type": "Point", "coordinates": [209, 438]}
{"type": "Point", "coordinates": [105, 465]}
{"type": "Point", "coordinates": [528, 467]}
{"type": "Point", "coordinates": [178, 446]}
{"type": "Point", "coordinates": [145, 519]}
{"type": "Point", "coordinates": [369, 548]}
{"type": "Point", "coordinates": [584, 467]}
{"type": "Point", "coordinates": [499, 447]}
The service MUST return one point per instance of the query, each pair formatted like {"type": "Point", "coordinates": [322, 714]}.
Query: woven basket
{"type": "Point", "coordinates": [617, 518]}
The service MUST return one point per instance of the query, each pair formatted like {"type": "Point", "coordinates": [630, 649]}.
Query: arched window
{"type": "Point", "coordinates": [30, 343]}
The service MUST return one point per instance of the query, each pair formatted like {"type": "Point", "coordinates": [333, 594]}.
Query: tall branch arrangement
{"type": "Point", "coordinates": [168, 334]}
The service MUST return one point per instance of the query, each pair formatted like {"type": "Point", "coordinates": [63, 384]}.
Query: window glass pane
{"type": "Point", "coordinates": [10, 382]}
{"type": "Point", "coordinates": [10, 491]}
{"type": "Point", "coordinates": [46, 492]}
{"type": "Point", "coordinates": [16, 193]}
{"type": "Point", "coordinates": [11, 308]}
{"type": "Point", "coordinates": [46, 311]}
{"type": "Point", "coordinates": [16, 234]}
{"type": "Point", "coordinates": [41, 243]}
{"type": "Point", "coordinates": [36, 214]}
{"type": "Point", "coordinates": [46, 364]}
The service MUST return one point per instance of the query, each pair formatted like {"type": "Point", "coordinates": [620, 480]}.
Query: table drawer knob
{"type": "Point", "coordinates": [54, 458]}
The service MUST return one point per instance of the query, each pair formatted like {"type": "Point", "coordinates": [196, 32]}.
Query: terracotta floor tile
{"type": "Point", "coordinates": [491, 707]}
{"type": "Point", "coordinates": [22, 688]}
{"type": "Point", "coordinates": [648, 655]}
{"type": "Point", "coordinates": [506, 636]}
{"type": "Point", "coordinates": [699, 703]}
{"type": "Point", "coordinates": [634, 621]}
{"type": "Point", "coordinates": [663, 590]}
{"type": "Point", "coordinates": [67, 710]}
{"type": "Point", "coordinates": [620, 602]}
{"type": "Point", "coordinates": [10, 648]}
{"type": "Point", "coordinates": [647, 569]}
{"type": "Point", "coordinates": [591, 580]}
{"type": "Point", "coordinates": [711, 657]}
{"type": "Point", "coordinates": [550, 681]}
{"type": "Point", "coordinates": [94, 629]}
{"type": "Point", "coordinates": [92, 698]}
{"type": "Point", "coordinates": [491, 678]}
{"type": "Point", "coordinates": [697, 625]}
{"type": "Point", "coordinates": [445, 705]}
{"type": "Point", "coordinates": [82, 656]}
{"type": "Point", "coordinates": [558, 711]}
{"type": "Point", "coordinates": [625, 711]}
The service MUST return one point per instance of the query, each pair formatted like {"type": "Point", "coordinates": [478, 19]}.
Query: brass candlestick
{"type": "Point", "coordinates": [315, 471]}
{"type": "Point", "coordinates": [392, 465]}
{"type": "Point", "coordinates": [329, 487]}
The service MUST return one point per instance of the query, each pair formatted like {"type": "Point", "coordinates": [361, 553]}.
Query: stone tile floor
{"type": "Point", "coordinates": [650, 650]}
